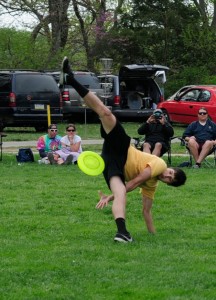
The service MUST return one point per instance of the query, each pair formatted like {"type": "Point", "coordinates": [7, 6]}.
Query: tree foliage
{"type": "Point", "coordinates": [18, 51]}
{"type": "Point", "coordinates": [177, 33]}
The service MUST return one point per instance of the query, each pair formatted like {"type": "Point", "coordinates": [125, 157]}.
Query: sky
{"type": "Point", "coordinates": [18, 22]}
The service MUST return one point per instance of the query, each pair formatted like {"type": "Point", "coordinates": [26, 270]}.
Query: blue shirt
{"type": "Point", "coordinates": [201, 132]}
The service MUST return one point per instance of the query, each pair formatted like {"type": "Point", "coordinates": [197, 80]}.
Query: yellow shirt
{"type": "Point", "coordinates": [136, 162]}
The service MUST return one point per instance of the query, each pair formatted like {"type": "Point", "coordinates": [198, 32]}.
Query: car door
{"type": "Point", "coordinates": [184, 108]}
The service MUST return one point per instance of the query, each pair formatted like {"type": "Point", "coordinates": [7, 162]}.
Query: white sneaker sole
{"type": "Point", "coordinates": [121, 240]}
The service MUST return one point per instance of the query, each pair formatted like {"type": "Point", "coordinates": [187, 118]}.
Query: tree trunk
{"type": "Point", "coordinates": [60, 24]}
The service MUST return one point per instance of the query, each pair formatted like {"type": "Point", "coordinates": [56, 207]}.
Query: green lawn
{"type": "Point", "coordinates": [56, 245]}
{"type": "Point", "coordinates": [88, 131]}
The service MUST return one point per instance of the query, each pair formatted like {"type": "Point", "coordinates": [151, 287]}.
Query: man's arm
{"type": "Point", "coordinates": [147, 205]}
{"type": "Point", "coordinates": [139, 179]}
{"type": "Point", "coordinates": [189, 131]}
{"type": "Point", "coordinates": [168, 130]}
{"type": "Point", "coordinates": [130, 186]}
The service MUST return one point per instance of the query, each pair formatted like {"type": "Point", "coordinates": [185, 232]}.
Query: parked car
{"type": "Point", "coordinates": [180, 91]}
{"type": "Point", "coordinates": [24, 96]}
{"type": "Point", "coordinates": [185, 106]}
{"type": "Point", "coordinates": [134, 92]}
{"type": "Point", "coordinates": [73, 105]}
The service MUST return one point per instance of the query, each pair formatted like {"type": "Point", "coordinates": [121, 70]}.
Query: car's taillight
{"type": "Point", "coordinates": [117, 100]}
{"type": "Point", "coordinates": [161, 98]}
{"type": "Point", "coordinates": [12, 100]}
{"type": "Point", "coordinates": [66, 95]}
{"type": "Point", "coordinates": [61, 101]}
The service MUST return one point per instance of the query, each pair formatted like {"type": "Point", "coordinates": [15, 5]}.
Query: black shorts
{"type": "Point", "coordinates": [114, 152]}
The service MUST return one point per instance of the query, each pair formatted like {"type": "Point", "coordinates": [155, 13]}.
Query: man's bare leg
{"type": "Point", "coordinates": [119, 202]}
{"type": "Point", "coordinates": [157, 149]}
{"type": "Point", "coordinates": [206, 148]}
{"type": "Point", "coordinates": [146, 148]}
{"type": "Point", "coordinates": [108, 120]}
{"type": "Point", "coordinates": [193, 146]}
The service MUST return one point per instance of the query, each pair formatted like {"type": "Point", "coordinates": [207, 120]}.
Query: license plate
{"type": "Point", "coordinates": [39, 106]}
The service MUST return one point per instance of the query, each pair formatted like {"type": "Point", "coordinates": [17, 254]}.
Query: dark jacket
{"type": "Point", "coordinates": [156, 132]}
{"type": "Point", "coordinates": [201, 132]}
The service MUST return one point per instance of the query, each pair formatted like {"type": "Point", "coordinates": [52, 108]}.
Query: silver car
{"type": "Point", "coordinates": [73, 105]}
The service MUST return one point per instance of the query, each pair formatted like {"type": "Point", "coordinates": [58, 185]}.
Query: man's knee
{"type": "Point", "coordinates": [158, 145]}
{"type": "Point", "coordinates": [105, 113]}
{"type": "Point", "coordinates": [192, 145]}
{"type": "Point", "coordinates": [208, 144]}
{"type": "Point", "coordinates": [146, 146]}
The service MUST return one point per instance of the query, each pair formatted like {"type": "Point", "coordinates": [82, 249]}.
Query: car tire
{"type": "Point", "coordinates": [167, 116]}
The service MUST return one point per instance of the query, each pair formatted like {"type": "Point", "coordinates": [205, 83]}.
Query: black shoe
{"type": "Point", "coordinates": [68, 160]}
{"type": "Point", "coordinates": [123, 238]}
{"type": "Point", "coordinates": [196, 166]}
{"type": "Point", "coordinates": [51, 159]}
{"type": "Point", "coordinates": [66, 68]}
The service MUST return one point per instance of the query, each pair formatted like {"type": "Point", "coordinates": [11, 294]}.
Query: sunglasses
{"type": "Point", "coordinates": [71, 130]}
{"type": "Point", "coordinates": [54, 130]}
{"type": "Point", "coordinates": [202, 113]}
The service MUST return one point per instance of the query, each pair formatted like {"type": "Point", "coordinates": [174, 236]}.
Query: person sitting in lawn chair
{"type": "Point", "coordinates": [200, 136]}
{"type": "Point", "coordinates": [157, 133]}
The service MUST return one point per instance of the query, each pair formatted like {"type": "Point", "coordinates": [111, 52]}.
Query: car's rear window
{"type": "Point", "coordinates": [87, 80]}
{"type": "Point", "coordinates": [5, 83]}
{"type": "Point", "coordinates": [30, 83]}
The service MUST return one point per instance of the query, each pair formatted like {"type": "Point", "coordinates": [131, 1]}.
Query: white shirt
{"type": "Point", "coordinates": [76, 139]}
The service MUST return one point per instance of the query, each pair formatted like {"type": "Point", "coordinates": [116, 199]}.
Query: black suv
{"type": "Point", "coordinates": [24, 97]}
{"type": "Point", "coordinates": [135, 91]}
{"type": "Point", "coordinates": [73, 105]}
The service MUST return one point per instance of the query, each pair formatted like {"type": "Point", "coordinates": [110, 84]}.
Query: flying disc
{"type": "Point", "coordinates": [91, 163]}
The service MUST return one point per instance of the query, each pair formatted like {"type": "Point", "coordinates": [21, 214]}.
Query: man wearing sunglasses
{"type": "Point", "coordinates": [49, 142]}
{"type": "Point", "coordinates": [126, 168]}
{"type": "Point", "coordinates": [200, 136]}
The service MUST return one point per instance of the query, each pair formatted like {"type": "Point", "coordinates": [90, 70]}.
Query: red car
{"type": "Point", "coordinates": [183, 108]}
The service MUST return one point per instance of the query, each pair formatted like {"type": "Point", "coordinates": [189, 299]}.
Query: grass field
{"type": "Point", "coordinates": [56, 245]}
{"type": "Point", "coordinates": [88, 131]}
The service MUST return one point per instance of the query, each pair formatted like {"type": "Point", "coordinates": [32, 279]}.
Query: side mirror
{"type": "Point", "coordinates": [177, 98]}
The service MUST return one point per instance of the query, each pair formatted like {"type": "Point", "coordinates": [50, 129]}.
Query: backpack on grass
{"type": "Point", "coordinates": [25, 155]}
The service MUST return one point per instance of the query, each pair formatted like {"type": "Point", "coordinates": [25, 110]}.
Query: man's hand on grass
{"type": "Point", "coordinates": [104, 199]}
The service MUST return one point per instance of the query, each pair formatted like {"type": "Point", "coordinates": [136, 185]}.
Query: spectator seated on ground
{"type": "Point", "coordinates": [71, 145]}
{"type": "Point", "coordinates": [200, 136]}
{"type": "Point", "coordinates": [157, 133]}
{"type": "Point", "coordinates": [49, 143]}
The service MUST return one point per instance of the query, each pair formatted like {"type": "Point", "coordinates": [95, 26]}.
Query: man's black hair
{"type": "Point", "coordinates": [180, 177]}
{"type": "Point", "coordinates": [51, 126]}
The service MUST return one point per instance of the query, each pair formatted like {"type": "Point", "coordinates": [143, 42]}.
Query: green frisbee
{"type": "Point", "coordinates": [91, 163]}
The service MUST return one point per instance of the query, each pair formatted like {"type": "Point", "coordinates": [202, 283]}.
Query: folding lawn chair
{"type": "Point", "coordinates": [209, 161]}
{"type": "Point", "coordinates": [138, 143]}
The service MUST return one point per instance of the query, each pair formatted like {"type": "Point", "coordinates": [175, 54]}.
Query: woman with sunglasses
{"type": "Point", "coordinates": [70, 145]}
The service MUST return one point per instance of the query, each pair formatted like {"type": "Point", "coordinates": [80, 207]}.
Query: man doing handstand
{"type": "Point", "coordinates": [126, 168]}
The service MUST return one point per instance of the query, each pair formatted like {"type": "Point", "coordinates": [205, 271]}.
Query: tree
{"type": "Point", "coordinates": [47, 12]}
{"type": "Point", "coordinates": [96, 20]}
{"type": "Point", "coordinates": [17, 50]}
